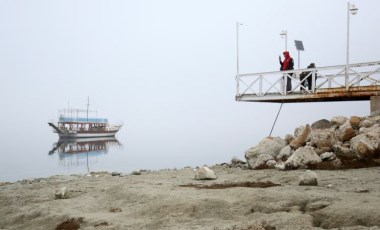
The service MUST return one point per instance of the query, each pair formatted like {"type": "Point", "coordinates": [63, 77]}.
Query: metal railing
{"type": "Point", "coordinates": [270, 83]}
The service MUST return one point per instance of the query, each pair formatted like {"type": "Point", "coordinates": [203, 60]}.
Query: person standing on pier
{"type": "Point", "coordinates": [287, 64]}
{"type": "Point", "coordinates": [309, 77]}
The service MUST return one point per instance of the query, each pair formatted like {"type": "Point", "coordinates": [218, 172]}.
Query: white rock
{"type": "Point", "coordinates": [309, 178]}
{"type": "Point", "coordinates": [327, 156]}
{"type": "Point", "coordinates": [280, 166]}
{"type": "Point", "coordinates": [285, 153]}
{"type": "Point", "coordinates": [262, 161]}
{"type": "Point", "coordinates": [338, 120]}
{"type": "Point", "coordinates": [204, 173]}
{"type": "Point", "coordinates": [271, 163]}
{"type": "Point", "coordinates": [302, 157]}
{"type": "Point", "coordinates": [61, 193]}
{"type": "Point", "coordinates": [269, 145]}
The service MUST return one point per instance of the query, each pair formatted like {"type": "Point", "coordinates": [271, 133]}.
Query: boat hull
{"type": "Point", "coordinates": [87, 134]}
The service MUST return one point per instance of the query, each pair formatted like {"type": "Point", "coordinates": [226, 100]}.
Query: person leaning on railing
{"type": "Point", "coordinates": [287, 64]}
{"type": "Point", "coordinates": [306, 77]}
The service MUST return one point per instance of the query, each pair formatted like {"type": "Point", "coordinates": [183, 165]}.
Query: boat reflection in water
{"type": "Point", "coordinates": [82, 151]}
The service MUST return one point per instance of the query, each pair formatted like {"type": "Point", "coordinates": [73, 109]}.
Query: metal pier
{"type": "Point", "coordinates": [332, 83]}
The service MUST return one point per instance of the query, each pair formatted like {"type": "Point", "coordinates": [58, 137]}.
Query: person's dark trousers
{"type": "Point", "coordinates": [288, 82]}
{"type": "Point", "coordinates": [309, 82]}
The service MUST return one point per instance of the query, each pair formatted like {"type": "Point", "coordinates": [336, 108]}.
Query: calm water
{"type": "Point", "coordinates": [44, 154]}
{"type": "Point", "coordinates": [29, 148]}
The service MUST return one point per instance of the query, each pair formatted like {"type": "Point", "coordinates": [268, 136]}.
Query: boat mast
{"type": "Point", "coordinates": [88, 105]}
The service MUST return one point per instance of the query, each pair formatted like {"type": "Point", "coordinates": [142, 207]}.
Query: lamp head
{"type": "Point", "coordinates": [284, 33]}
{"type": "Point", "coordinates": [353, 9]}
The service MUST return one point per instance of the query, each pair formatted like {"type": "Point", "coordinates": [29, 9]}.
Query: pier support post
{"type": "Point", "coordinates": [375, 105]}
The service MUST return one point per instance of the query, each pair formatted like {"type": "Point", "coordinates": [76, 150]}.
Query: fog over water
{"type": "Point", "coordinates": [166, 69]}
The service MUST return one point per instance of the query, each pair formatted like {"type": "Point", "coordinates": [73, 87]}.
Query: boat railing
{"type": "Point", "coordinates": [83, 119]}
{"type": "Point", "coordinates": [113, 127]}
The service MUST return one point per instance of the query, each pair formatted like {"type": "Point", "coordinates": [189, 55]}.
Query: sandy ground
{"type": "Point", "coordinates": [167, 199]}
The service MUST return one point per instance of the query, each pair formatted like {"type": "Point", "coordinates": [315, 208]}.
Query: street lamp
{"type": "Point", "coordinates": [284, 34]}
{"type": "Point", "coordinates": [238, 24]}
{"type": "Point", "coordinates": [353, 10]}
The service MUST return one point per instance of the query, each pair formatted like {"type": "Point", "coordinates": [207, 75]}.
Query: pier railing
{"type": "Point", "coordinates": [265, 84]}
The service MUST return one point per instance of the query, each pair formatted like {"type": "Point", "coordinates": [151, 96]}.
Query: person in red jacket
{"type": "Point", "coordinates": [287, 64]}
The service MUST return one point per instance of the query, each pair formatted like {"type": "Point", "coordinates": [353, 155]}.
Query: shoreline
{"type": "Point", "coordinates": [170, 199]}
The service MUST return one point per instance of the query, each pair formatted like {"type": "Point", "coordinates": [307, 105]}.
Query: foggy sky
{"type": "Point", "coordinates": [167, 68]}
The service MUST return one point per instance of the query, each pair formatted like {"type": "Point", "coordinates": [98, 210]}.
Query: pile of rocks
{"type": "Point", "coordinates": [339, 143]}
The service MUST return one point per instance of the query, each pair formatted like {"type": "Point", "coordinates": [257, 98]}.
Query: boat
{"type": "Point", "coordinates": [80, 123]}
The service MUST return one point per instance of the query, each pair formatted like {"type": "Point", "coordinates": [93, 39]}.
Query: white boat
{"type": "Point", "coordinates": [76, 123]}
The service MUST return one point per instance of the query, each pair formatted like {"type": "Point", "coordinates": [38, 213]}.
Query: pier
{"type": "Point", "coordinates": [332, 83]}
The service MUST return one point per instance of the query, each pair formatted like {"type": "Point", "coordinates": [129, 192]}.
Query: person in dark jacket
{"type": "Point", "coordinates": [287, 64]}
{"type": "Point", "coordinates": [308, 76]}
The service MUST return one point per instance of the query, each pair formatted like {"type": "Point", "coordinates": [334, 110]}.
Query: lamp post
{"type": "Point", "coordinates": [238, 24]}
{"type": "Point", "coordinates": [284, 34]}
{"type": "Point", "coordinates": [353, 10]}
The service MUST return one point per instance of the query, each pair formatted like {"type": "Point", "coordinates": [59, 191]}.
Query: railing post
{"type": "Point", "coordinates": [358, 79]}
{"type": "Point", "coordinates": [237, 78]}
{"type": "Point", "coordinates": [261, 85]}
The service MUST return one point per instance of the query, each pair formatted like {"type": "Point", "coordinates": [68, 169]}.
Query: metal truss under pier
{"type": "Point", "coordinates": [334, 83]}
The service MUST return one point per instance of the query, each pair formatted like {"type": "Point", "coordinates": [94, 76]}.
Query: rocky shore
{"type": "Point", "coordinates": [324, 176]}
{"type": "Point", "coordinates": [340, 143]}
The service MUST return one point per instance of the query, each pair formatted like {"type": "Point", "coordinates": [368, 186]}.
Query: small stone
{"type": "Point", "coordinates": [309, 178]}
{"type": "Point", "coordinates": [205, 173]}
{"type": "Point", "coordinates": [271, 163]}
{"type": "Point", "coordinates": [361, 190]}
{"type": "Point", "coordinates": [115, 174]}
{"type": "Point", "coordinates": [330, 186]}
{"type": "Point", "coordinates": [327, 156]}
{"type": "Point", "coordinates": [62, 193]}
{"type": "Point", "coordinates": [280, 166]}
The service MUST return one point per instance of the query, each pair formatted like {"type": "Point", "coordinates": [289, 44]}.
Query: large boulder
{"type": "Point", "coordinates": [343, 152]}
{"type": "Point", "coordinates": [374, 130]}
{"type": "Point", "coordinates": [285, 153]}
{"type": "Point", "coordinates": [298, 131]}
{"type": "Point", "coordinates": [323, 139]}
{"type": "Point", "coordinates": [369, 121]}
{"type": "Point", "coordinates": [302, 158]}
{"type": "Point", "coordinates": [288, 138]}
{"type": "Point", "coordinates": [355, 122]}
{"type": "Point", "coordinates": [269, 145]}
{"type": "Point", "coordinates": [321, 124]}
{"type": "Point", "coordinates": [338, 121]}
{"type": "Point", "coordinates": [346, 132]}
{"type": "Point", "coordinates": [301, 139]}
{"type": "Point", "coordinates": [364, 146]}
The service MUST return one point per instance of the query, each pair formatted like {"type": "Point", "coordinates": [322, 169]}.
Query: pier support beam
{"type": "Point", "coordinates": [375, 105]}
